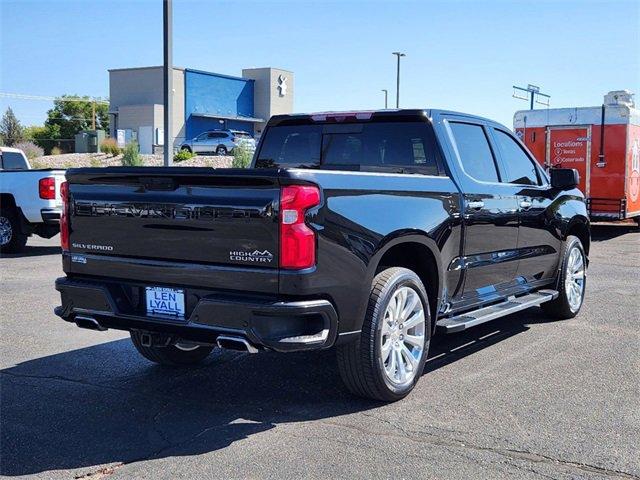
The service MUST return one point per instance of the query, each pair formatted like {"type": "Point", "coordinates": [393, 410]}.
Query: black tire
{"type": "Point", "coordinates": [185, 148]}
{"type": "Point", "coordinates": [16, 240]}
{"type": "Point", "coordinates": [221, 150]}
{"type": "Point", "coordinates": [360, 364]}
{"type": "Point", "coordinates": [561, 308]}
{"type": "Point", "coordinates": [170, 355]}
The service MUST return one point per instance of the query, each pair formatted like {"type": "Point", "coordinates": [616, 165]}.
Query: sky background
{"type": "Point", "coordinates": [460, 55]}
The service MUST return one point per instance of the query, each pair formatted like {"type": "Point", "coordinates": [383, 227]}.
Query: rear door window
{"type": "Point", "coordinates": [474, 151]}
{"type": "Point", "coordinates": [376, 144]}
{"type": "Point", "coordinates": [518, 167]}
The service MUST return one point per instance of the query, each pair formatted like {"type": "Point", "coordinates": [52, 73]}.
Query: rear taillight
{"type": "Point", "coordinates": [64, 216]}
{"type": "Point", "coordinates": [297, 240]}
{"type": "Point", "coordinates": [47, 188]}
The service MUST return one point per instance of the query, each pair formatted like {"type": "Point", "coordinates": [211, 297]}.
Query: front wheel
{"type": "Point", "coordinates": [387, 360]}
{"type": "Point", "coordinates": [572, 281]}
{"type": "Point", "coordinates": [181, 354]}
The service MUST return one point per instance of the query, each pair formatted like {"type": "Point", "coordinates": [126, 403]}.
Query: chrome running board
{"type": "Point", "coordinates": [486, 314]}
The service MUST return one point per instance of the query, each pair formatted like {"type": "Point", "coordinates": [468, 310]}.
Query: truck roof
{"type": "Point", "coordinates": [614, 115]}
{"type": "Point", "coordinates": [10, 149]}
{"type": "Point", "coordinates": [339, 116]}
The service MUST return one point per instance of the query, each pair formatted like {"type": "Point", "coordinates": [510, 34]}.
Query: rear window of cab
{"type": "Point", "coordinates": [401, 145]}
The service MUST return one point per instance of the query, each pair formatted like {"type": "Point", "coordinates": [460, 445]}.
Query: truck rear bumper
{"type": "Point", "coordinates": [51, 215]}
{"type": "Point", "coordinates": [276, 324]}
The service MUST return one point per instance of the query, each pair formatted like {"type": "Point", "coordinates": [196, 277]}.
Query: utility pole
{"type": "Point", "coordinates": [398, 54]}
{"type": "Point", "coordinates": [167, 70]}
{"type": "Point", "coordinates": [533, 95]}
{"type": "Point", "coordinates": [93, 114]}
{"type": "Point", "coordinates": [386, 94]}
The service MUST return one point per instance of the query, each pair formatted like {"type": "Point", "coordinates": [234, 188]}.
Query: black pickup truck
{"type": "Point", "coordinates": [364, 231]}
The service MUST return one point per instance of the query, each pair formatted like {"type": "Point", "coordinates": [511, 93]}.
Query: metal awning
{"type": "Point", "coordinates": [227, 117]}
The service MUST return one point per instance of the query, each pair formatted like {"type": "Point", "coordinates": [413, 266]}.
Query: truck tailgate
{"type": "Point", "coordinates": [225, 217]}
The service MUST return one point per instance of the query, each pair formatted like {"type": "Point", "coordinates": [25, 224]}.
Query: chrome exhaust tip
{"type": "Point", "coordinates": [89, 323]}
{"type": "Point", "coordinates": [235, 343]}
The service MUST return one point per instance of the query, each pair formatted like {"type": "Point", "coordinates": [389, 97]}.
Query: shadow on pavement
{"type": "Point", "coordinates": [104, 404]}
{"type": "Point", "coordinates": [35, 251]}
{"type": "Point", "coordinates": [601, 232]}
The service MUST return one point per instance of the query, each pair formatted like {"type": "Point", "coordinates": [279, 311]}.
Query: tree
{"type": "Point", "coordinates": [45, 137]}
{"type": "Point", "coordinates": [11, 132]}
{"type": "Point", "coordinates": [73, 116]}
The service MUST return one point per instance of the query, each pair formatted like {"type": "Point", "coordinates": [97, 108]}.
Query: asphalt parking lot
{"type": "Point", "coordinates": [522, 397]}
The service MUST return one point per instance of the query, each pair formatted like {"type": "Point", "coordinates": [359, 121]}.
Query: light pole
{"type": "Point", "coordinates": [386, 94]}
{"type": "Point", "coordinates": [398, 54]}
{"type": "Point", "coordinates": [167, 71]}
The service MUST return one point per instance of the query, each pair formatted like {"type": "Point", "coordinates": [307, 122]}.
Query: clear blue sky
{"type": "Point", "coordinates": [460, 55]}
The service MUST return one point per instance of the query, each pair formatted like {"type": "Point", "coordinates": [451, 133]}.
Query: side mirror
{"type": "Point", "coordinates": [564, 178]}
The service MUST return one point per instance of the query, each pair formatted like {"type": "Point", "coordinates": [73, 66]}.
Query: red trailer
{"type": "Point", "coordinates": [602, 143]}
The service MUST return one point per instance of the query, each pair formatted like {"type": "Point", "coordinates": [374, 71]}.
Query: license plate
{"type": "Point", "coordinates": [165, 301]}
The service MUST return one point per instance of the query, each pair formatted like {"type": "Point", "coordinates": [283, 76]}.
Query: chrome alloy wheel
{"type": "Point", "coordinates": [6, 231]}
{"type": "Point", "coordinates": [574, 279]}
{"type": "Point", "coordinates": [402, 338]}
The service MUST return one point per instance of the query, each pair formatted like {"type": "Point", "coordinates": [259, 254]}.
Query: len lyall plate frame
{"type": "Point", "coordinates": [165, 302]}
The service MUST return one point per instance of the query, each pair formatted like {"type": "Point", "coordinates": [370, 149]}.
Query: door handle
{"type": "Point", "coordinates": [475, 204]}
{"type": "Point", "coordinates": [525, 205]}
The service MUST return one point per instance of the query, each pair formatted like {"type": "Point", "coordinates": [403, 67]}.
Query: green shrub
{"type": "Point", "coordinates": [183, 155]}
{"type": "Point", "coordinates": [56, 151]}
{"type": "Point", "coordinates": [95, 162]}
{"type": "Point", "coordinates": [44, 136]}
{"type": "Point", "coordinates": [131, 157]}
{"type": "Point", "coordinates": [110, 147]}
{"type": "Point", "coordinates": [241, 157]}
{"type": "Point", "coordinates": [30, 149]}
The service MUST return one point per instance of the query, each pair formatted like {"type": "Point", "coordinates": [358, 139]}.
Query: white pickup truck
{"type": "Point", "coordinates": [30, 201]}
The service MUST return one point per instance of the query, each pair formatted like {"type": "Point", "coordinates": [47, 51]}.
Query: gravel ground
{"type": "Point", "coordinates": [73, 160]}
{"type": "Point", "coordinates": [522, 397]}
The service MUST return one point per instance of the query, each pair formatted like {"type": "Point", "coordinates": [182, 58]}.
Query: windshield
{"type": "Point", "coordinates": [376, 144]}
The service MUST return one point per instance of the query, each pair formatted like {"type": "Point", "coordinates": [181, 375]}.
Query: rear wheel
{"type": "Point", "coordinates": [185, 149]}
{"type": "Point", "coordinates": [12, 240]}
{"type": "Point", "coordinates": [388, 359]}
{"type": "Point", "coordinates": [181, 354]}
{"type": "Point", "coordinates": [221, 150]}
{"type": "Point", "coordinates": [572, 281]}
